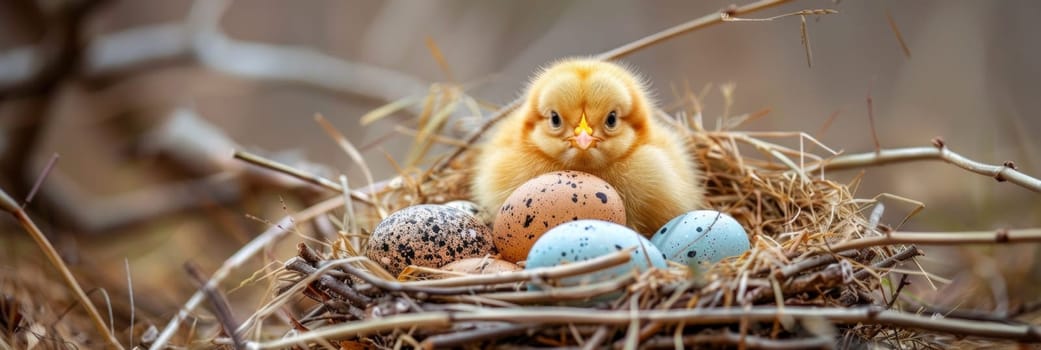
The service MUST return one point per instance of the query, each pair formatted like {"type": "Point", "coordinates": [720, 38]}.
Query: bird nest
{"type": "Point", "coordinates": [816, 273]}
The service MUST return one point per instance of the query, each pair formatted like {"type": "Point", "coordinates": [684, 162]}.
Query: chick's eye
{"type": "Point", "coordinates": [612, 120]}
{"type": "Point", "coordinates": [554, 120]}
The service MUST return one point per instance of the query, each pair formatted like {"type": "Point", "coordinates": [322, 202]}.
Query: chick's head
{"type": "Point", "coordinates": [586, 114]}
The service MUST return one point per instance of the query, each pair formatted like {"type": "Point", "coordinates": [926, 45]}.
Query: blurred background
{"type": "Point", "coordinates": [144, 101]}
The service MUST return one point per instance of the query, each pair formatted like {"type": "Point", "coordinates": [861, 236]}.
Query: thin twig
{"type": "Point", "coordinates": [686, 27]}
{"type": "Point", "coordinates": [130, 293]}
{"type": "Point", "coordinates": [941, 238]}
{"type": "Point", "coordinates": [598, 338]}
{"type": "Point", "coordinates": [456, 339]}
{"type": "Point", "coordinates": [333, 285]}
{"type": "Point", "coordinates": [732, 339]}
{"type": "Point", "coordinates": [39, 179]}
{"type": "Point", "coordinates": [300, 174]}
{"type": "Point", "coordinates": [899, 37]}
{"type": "Point", "coordinates": [1005, 172]}
{"type": "Point", "coordinates": [903, 255]}
{"type": "Point", "coordinates": [9, 205]}
{"type": "Point", "coordinates": [220, 305]}
{"type": "Point", "coordinates": [871, 117]}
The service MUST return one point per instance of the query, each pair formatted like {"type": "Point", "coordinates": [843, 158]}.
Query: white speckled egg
{"type": "Point", "coordinates": [427, 235]}
{"type": "Point", "coordinates": [701, 236]}
{"type": "Point", "coordinates": [587, 239]}
{"type": "Point", "coordinates": [472, 209]}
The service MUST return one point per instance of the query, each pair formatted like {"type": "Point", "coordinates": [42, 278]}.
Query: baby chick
{"type": "Point", "coordinates": [592, 116]}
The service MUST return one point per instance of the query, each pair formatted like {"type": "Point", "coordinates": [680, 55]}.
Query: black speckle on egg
{"type": "Point", "coordinates": [527, 203]}
{"type": "Point", "coordinates": [602, 196]}
{"type": "Point", "coordinates": [574, 197]}
{"type": "Point", "coordinates": [692, 253]}
{"type": "Point", "coordinates": [617, 247]}
{"type": "Point", "coordinates": [699, 229]}
{"type": "Point", "coordinates": [527, 220]}
{"type": "Point", "coordinates": [663, 229]}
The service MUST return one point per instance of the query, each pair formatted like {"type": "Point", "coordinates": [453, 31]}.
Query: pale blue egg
{"type": "Point", "coordinates": [701, 236]}
{"type": "Point", "coordinates": [587, 239]}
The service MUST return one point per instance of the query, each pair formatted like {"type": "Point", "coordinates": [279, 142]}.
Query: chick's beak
{"type": "Point", "coordinates": [584, 134]}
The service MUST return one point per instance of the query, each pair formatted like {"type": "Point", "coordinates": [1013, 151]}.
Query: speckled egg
{"type": "Point", "coordinates": [427, 235]}
{"type": "Point", "coordinates": [548, 200]}
{"type": "Point", "coordinates": [700, 237]}
{"type": "Point", "coordinates": [587, 239]}
{"type": "Point", "coordinates": [481, 266]}
{"type": "Point", "coordinates": [472, 209]}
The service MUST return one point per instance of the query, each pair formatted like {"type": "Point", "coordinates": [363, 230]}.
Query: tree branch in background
{"type": "Point", "coordinates": [41, 72]}
{"type": "Point", "coordinates": [940, 151]}
{"type": "Point", "coordinates": [191, 143]}
{"type": "Point", "coordinates": [941, 238]}
{"type": "Point", "coordinates": [200, 39]}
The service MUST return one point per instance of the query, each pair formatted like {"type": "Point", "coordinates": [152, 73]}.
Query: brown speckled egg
{"type": "Point", "coordinates": [481, 266]}
{"type": "Point", "coordinates": [549, 200]}
{"type": "Point", "coordinates": [427, 235]}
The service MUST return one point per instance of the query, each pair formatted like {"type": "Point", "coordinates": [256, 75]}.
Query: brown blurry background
{"type": "Point", "coordinates": [972, 78]}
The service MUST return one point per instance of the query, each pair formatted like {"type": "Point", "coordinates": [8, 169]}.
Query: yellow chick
{"type": "Point", "coordinates": [592, 116]}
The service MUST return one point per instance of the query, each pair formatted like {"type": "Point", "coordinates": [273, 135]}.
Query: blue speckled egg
{"type": "Point", "coordinates": [587, 239]}
{"type": "Point", "coordinates": [701, 236]}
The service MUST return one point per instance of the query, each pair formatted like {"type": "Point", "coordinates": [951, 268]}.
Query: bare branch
{"type": "Point", "coordinates": [941, 238]}
{"type": "Point", "coordinates": [200, 39]}
{"type": "Point", "coordinates": [221, 309]}
{"type": "Point", "coordinates": [1004, 172]}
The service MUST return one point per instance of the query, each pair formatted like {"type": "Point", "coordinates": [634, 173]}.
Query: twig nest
{"type": "Point", "coordinates": [551, 199]}
{"type": "Point", "coordinates": [701, 237]}
{"type": "Point", "coordinates": [587, 239]}
{"type": "Point", "coordinates": [428, 235]}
